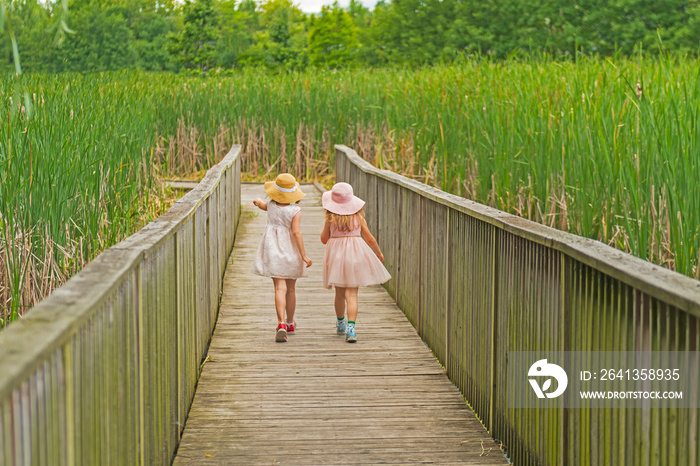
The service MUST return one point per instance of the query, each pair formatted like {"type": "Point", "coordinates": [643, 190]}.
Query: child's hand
{"type": "Point", "coordinates": [307, 260]}
{"type": "Point", "coordinates": [260, 204]}
{"type": "Point", "coordinates": [381, 257]}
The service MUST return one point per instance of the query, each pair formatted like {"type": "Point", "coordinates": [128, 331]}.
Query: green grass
{"type": "Point", "coordinates": [570, 145]}
{"type": "Point", "coordinates": [74, 178]}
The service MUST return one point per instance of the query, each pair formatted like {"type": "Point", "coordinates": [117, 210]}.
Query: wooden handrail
{"type": "Point", "coordinates": [679, 290]}
{"type": "Point", "coordinates": [478, 284]}
{"type": "Point", "coordinates": [104, 369]}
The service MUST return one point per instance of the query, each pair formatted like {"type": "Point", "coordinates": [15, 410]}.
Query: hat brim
{"type": "Point", "coordinates": [346, 208]}
{"type": "Point", "coordinates": [282, 197]}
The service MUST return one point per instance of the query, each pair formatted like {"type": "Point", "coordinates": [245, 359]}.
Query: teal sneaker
{"type": "Point", "coordinates": [341, 325]}
{"type": "Point", "coordinates": [350, 335]}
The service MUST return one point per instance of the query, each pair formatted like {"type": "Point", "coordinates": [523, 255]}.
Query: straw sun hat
{"type": "Point", "coordinates": [284, 190]}
{"type": "Point", "coordinates": [340, 200]}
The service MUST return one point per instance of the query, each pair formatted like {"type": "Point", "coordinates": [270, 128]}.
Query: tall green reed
{"type": "Point", "coordinates": [605, 149]}
{"type": "Point", "coordinates": [72, 177]}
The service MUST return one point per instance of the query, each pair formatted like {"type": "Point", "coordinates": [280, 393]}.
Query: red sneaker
{"type": "Point", "coordinates": [281, 334]}
{"type": "Point", "coordinates": [291, 327]}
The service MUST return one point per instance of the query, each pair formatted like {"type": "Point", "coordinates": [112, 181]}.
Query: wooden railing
{"type": "Point", "coordinates": [104, 370]}
{"type": "Point", "coordinates": [477, 283]}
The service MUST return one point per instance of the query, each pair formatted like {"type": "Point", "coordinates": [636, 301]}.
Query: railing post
{"type": "Point", "coordinates": [397, 277]}
{"type": "Point", "coordinates": [494, 326]}
{"type": "Point", "coordinates": [565, 330]}
{"type": "Point", "coordinates": [181, 334]}
{"type": "Point", "coordinates": [421, 258]}
{"type": "Point", "coordinates": [70, 403]}
{"type": "Point", "coordinates": [448, 311]}
{"type": "Point", "coordinates": [139, 335]}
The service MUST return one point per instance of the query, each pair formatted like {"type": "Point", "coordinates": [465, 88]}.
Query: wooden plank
{"type": "Point", "coordinates": [186, 185]}
{"type": "Point", "coordinates": [317, 399]}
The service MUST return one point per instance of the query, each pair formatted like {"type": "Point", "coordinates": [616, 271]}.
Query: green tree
{"type": "Point", "coordinates": [151, 31]}
{"type": "Point", "coordinates": [363, 17]}
{"type": "Point", "coordinates": [412, 31]}
{"type": "Point", "coordinates": [333, 39]}
{"type": "Point", "coordinates": [243, 39]}
{"type": "Point", "coordinates": [103, 41]}
{"type": "Point", "coordinates": [113, 40]}
{"type": "Point", "coordinates": [195, 45]}
{"type": "Point", "coordinates": [239, 23]}
{"type": "Point", "coordinates": [686, 36]}
{"type": "Point", "coordinates": [282, 42]}
{"type": "Point", "coordinates": [30, 23]}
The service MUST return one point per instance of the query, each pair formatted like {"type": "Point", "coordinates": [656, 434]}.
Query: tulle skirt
{"type": "Point", "coordinates": [350, 262]}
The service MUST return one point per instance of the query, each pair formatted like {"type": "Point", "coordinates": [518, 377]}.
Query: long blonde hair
{"type": "Point", "coordinates": [346, 222]}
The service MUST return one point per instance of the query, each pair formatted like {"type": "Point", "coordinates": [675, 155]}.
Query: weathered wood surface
{"type": "Point", "coordinates": [185, 185]}
{"type": "Point", "coordinates": [317, 399]}
{"type": "Point", "coordinates": [479, 283]}
{"type": "Point", "coordinates": [103, 371]}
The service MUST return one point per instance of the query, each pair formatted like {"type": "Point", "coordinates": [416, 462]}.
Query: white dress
{"type": "Point", "coordinates": [277, 254]}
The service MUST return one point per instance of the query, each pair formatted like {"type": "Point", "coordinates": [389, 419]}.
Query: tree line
{"type": "Point", "coordinates": [221, 35]}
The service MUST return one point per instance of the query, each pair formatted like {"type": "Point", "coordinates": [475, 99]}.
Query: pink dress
{"type": "Point", "coordinates": [278, 255]}
{"type": "Point", "coordinates": [350, 262]}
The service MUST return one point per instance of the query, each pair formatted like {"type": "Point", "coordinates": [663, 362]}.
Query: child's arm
{"type": "Point", "coordinates": [260, 204]}
{"type": "Point", "coordinates": [371, 241]}
{"type": "Point", "coordinates": [326, 233]}
{"type": "Point", "coordinates": [296, 233]}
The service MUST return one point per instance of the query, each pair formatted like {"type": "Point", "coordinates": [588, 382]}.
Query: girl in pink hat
{"type": "Point", "coordinates": [350, 261]}
{"type": "Point", "coordinates": [281, 255]}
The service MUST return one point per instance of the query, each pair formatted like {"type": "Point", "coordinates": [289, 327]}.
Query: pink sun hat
{"type": "Point", "coordinates": [340, 200]}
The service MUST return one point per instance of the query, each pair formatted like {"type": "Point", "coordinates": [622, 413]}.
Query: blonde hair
{"type": "Point", "coordinates": [346, 222]}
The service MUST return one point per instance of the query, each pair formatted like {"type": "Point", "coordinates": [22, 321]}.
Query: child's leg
{"type": "Point", "coordinates": [291, 299]}
{"type": "Point", "coordinates": [339, 302]}
{"type": "Point", "coordinates": [351, 298]}
{"type": "Point", "coordinates": [280, 297]}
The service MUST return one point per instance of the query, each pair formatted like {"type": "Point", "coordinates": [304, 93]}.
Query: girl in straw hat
{"type": "Point", "coordinates": [349, 262]}
{"type": "Point", "coordinates": [281, 255]}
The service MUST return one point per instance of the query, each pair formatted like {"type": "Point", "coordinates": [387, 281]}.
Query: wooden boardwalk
{"type": "Point", "coordinates": [317, 399]}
